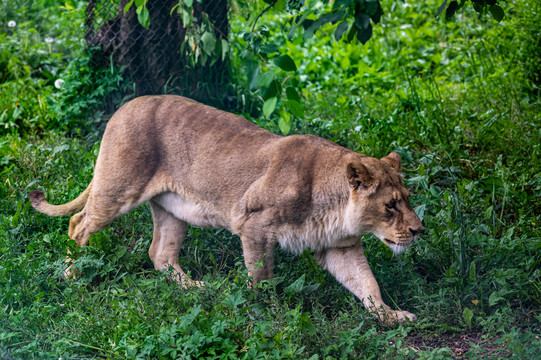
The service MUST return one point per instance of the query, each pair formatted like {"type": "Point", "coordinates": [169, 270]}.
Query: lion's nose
{"type": "Point", "coordinates": [417, 231]}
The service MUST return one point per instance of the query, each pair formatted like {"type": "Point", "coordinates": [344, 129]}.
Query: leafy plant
{"type": "Point", "coordinates": [456, 100]}
{"type": "Point", "coordinates": [85, 90]}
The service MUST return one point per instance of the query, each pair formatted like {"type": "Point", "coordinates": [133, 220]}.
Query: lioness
{"type": "Point", "coordinates": [195, 164]}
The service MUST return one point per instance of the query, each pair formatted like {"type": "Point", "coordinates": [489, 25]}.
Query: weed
{"type": "Point", "coordinates": [456, 100]}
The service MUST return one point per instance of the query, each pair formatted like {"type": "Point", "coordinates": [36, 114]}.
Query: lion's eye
{"type": "Point", "coordinates": [391, 206]}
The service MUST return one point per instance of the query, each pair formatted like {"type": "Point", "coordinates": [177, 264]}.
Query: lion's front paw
{"type": "Point", "coordinates": [71, 273]}
{"type": "Point", "coordinates": [394, 316]}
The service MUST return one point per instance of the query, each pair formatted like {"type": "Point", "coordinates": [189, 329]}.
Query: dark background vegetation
{"type": "Point", "coordinates": [459, 100]}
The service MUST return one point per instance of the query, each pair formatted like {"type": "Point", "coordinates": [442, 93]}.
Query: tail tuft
{"type": "Point", "coordinates": [36, 198]}
{"type": "Point", "coordinates": [38, 201]}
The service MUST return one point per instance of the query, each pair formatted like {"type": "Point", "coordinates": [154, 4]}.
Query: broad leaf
{"type": "Point", "coordinates": [269, 106]}
{"type": "Point", "coordinates": [128, 6]}
{"type": "Point", "coordinates": [284, 125]}
{"type": "Point", "coordinates": [285, 62]}
{"type": "Point", "coordinates": [143, 16]}
{"type": "Point", "coordinates": [266, 79]}
{"type": "Point", "coordinates": [340, 30]}
{"type": "Point", "coordinates": [268, 48]}
{"type": "Point", "coordinates": [451, 9]}
{"type": "Point", "coordinates": [186, 17]}
{"type": "Point", "coordinates": [295, 108]}
{"type": "Point", "coordinates": [497, 12]}
{"type": "Point", "coordinates": [253, 73]}
{"type": "Point", "coordinates": [371, 6]}
{"type": "Point", "coordinates": [363, 35]}
{"type": "Point", "coordinates": [274, 90]}
{"type": "Point", "coordinates": [225, 49]}
{"type": "Point", "coordinates": [296, 286]}
{"type": "Point", "coordinates": [234, 300]}
{"type": "Point", "coordinates": [440, 9]}
{"type": "Point", "coordinates": [420, 211]}
{"type": "Point", "coordinates": [279, 5]}
{"type": "Point", "coordinates": [362, 21]}
{"type": "Point", "coordinates": [292, 94]}
{"type": "Point", "coordinates": [468, 316]}
{"type": "Point", "coordinates": [209, 42]}
{"type": "Point", "coordinates": [494, 298]}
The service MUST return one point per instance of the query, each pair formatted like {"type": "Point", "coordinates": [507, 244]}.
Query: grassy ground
{"type": "Point", "coordinates": [459, 101]}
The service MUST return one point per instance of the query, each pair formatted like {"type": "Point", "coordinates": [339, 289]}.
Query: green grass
{"type": "Point", "coordinates": [459, 102]}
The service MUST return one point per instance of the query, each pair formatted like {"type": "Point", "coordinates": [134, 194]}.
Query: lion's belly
{"type": "Point", "coordinates": [194, 213]}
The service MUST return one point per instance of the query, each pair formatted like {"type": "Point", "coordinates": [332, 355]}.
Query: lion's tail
{"type": "Point", "coordinates": [37, 198]}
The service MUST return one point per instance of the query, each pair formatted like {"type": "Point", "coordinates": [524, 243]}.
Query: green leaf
{"type": "Point", "coordinates": [363, 35]}
{"type": "Point", "coordinates": [497, 12]}
{"type": "Point", "coordinates": [285, 62]}
{"type": "Point", "coordinates": [252, 73]}
{"type": "Point", "coordinates": [284, 125]}
{"type": "Point", "coordinates": [291, 32]}
{"type": "Point", "coordinates": [266, 79]}
{"type": "Point", "coordinates": [292, 94]}
{"type": "Point", "coordinates": [440, 9]}
{"type": "Point", "coordinates": [209, 42]}
{"type": "Point", "coordinates": [274, 90]}
{"type": "Point", "coordinates": [188, 3]}
{"type": "Point", "coordinates": [451, 9]}
{"type": "Point", "coordinates": [340, 30]}
{"type": "Point", "coordinates": [473, 275]}
{"type": "Point", "coordinates": [478, 7]}
{"type": "Point", "coordinates": [295, 108]}
{"type": "Point", "coordinates": [362, 21]}
{"type": "Point", "coordinates": [128, 6]}
{"type": "Point", "coordinates": [420, 211]}
{"type": "Point", "coordinates": [494, 298]}
{"type": "Point", "coordinates": [376, 17]}
{"type": "Point", "coordinates": [225, 48]}
{"type": "Point", "coordinates": [268, 48]}
{"type": "Point", "coordinates": [296, 286]}
{"type": "Point", "coordinates": [186, 17]}
{"type": "Point", "coordinates": [269, 106]}
{"type": "Point", "coordinates": [371, 6]}
{"type": "Point", "coordinates": [351, 33]}
{"type": "Point", "coordinates": [234, 300]}
{"type": "Point", "coordinates": [279, 5]}
{"type": "Point", "coordinates": [468, 316]}
{"type": "Point", "coordinates": [143, 16]}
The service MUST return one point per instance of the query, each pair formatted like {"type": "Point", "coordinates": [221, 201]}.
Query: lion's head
{"type": "Point", "coordinates": [380, 201]}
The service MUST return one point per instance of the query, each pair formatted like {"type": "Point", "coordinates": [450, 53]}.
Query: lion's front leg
{"type": "Point", "coordinates": [259, 258]}
{"type": "Point", "coordinates": [350, 267]}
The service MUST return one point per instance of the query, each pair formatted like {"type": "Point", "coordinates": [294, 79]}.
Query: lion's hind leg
{"type": "Point", "coordinates": [80, 229]}
{"type": "Point", "coordinates": [99, 211]}
{"type": "Point", "coordinates": [169, 234]}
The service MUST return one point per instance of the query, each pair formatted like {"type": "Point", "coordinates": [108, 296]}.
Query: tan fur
{"type": "Point", "coordinates": [199, 165]}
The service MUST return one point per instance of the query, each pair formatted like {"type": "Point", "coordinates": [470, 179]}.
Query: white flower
{"type": "Point", "coordinates": [58, 83]}
{"type": "Point", "coordinates": [49, 39]}
{"type": "Point", "coordinates": [12, 23]}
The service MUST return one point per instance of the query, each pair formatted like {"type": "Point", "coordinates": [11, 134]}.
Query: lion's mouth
{"type": "Point", "coordinates": [390, 241]}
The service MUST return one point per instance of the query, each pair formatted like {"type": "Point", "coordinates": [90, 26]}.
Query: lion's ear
{"type": "Point", "coordinates": [358, 175]}
{"type": "Point", "coordinates": [393, 159]}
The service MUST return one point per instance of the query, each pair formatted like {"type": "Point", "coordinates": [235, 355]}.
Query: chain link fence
{"type": "Point", "coordinates": [152, 57]}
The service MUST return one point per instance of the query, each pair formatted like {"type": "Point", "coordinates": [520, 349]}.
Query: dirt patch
{"type": "Point", "coordinates": [460, 344]}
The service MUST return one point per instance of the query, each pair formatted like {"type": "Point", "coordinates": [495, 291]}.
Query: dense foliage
{"type": "Point", "coordinates": [458, 100]}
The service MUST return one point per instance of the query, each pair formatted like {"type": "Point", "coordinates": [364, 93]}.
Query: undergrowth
{"type": "Point", "coordinates": [459, 102]}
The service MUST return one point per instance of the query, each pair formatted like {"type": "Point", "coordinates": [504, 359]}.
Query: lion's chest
{"type": "Point", "coordinates": [195, 213]}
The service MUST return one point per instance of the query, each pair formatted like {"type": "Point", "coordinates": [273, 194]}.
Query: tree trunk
{"type": "Point", "coordinates": [152, 58]}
